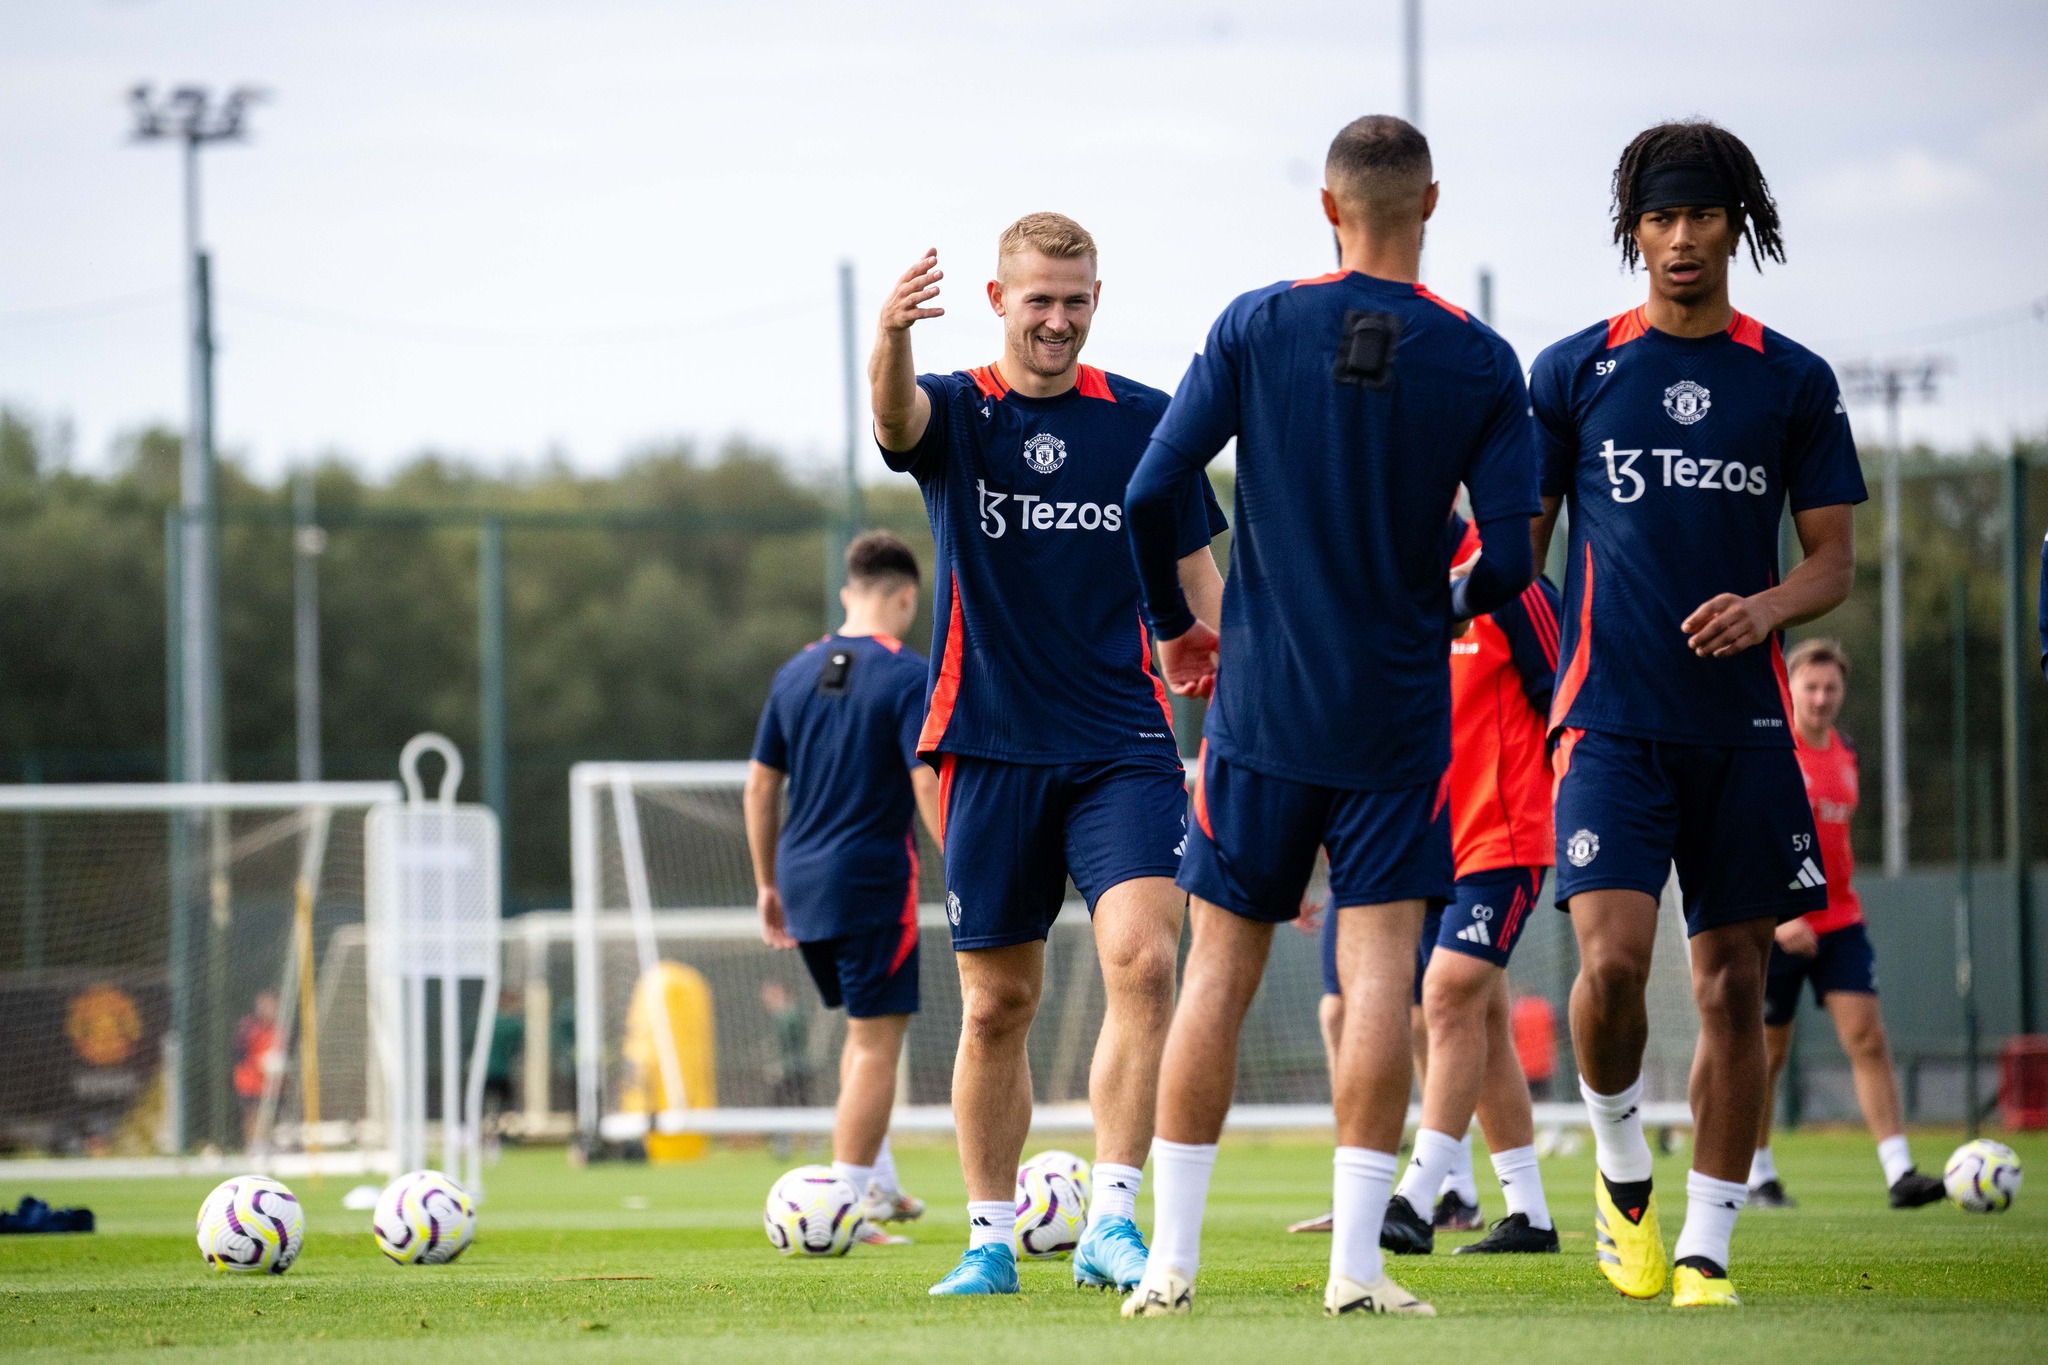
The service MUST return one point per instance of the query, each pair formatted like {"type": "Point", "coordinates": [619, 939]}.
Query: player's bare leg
{"type": "Point", "coordinates": [1375, 964]}
{"type": "Point", "coordinates": [1197, 1073]}
{"type": "Point", "coordinates": [1137, 938]}
{"type": "Point", "coordinates": [999, 990]}
{"type": "Point", "coordinates": [1509, 1122]}
{"type": "Point", "coordinates": [860, 1121]}
{"type": "Point", "coordinates": [1861, 1029]}
{"type": "Point", "coordinates": [1330, 1023]}
{"type": "Point", "coordinates": [1765, 1189]}
{"type": "Point", "coordinates": [1729, 1067]}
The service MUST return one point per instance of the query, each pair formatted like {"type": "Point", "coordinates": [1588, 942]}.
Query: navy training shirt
{"type": "Point", "coordinates": [1678, 456]}
{"type": "Point", "coordinates": [846, 734]}
{"type": "Point", "coordinates": [1335, 658]}
{"type": "Point", "coordinates": [1039, 654]}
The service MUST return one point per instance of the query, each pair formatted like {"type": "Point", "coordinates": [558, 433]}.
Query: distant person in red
{"type": "Point", "coordinates": [1830, 947]}
{"type": "Point", "coordinates": [256, 1056]}
{"type": "Point", "coordinates": [1535, 1028]}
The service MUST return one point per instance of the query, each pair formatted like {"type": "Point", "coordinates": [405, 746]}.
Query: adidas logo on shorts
{"type": "Point", "coordinates": [1808, 878]}
{"type": "Point", "coordinates": [1475, 932]}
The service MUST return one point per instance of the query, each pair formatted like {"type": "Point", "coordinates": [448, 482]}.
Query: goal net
{"type": "Point", "coordinates": [182, 975]}
{"type": "Point", "coordinates": [664, 923]}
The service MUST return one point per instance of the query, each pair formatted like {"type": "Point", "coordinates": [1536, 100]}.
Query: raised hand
{"type": "Point", "coordinates": [917, 287]}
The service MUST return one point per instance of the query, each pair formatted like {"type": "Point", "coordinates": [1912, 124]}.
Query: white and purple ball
{"type": "Point", "coordinates": [1052, 1204]}
{"type": "Point", "coordinates": [423, 1218]}
{"type": "Point", "coordinates": [251, 1223]}
{"type": "Point", "coordinates": [1983, 1176]}
{"type": "Point", "coordinates": [812, 1211]}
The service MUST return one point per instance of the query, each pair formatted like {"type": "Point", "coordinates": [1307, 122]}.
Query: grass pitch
{"type": "Point", "coordinates": [630, 1263]}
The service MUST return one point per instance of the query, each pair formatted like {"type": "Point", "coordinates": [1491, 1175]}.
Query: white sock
{"type": "Point", "coordinates": [1180, 1191]}
{"type": "Point", "coordinates": [885, 1169]}
{"type": "Point", "coordinates": [1619, 1148]}
{"type": "Point", "coordinates": [993, 1220]}
{"type": "Point", "coordinates": [1435, 1154]}
{"type": "Point", "coordinates": [1521, 1184]}
{"type": "Point", "coordinates": [1896, 1156]}
{"type": "Point", "coordinates": [860, 1177]}
{"type": "Point", "coordinates": [1763, 1168]}
{"type": "Point", "coordinates": [1113, 1191]}
{"type": "Point", "coordinates": [1365, 1181]}
{"type": "Point", "coordinates": [1460, 1180]}
{"type": "Point", "coordinates": [1710, 1209]}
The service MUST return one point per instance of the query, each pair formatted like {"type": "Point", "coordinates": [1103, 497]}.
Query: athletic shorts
{"type": "Point", "coordinates": [1484, 919]}
{"type": "Point", "coordinates": [1253, 847]}
{"type": "Point", "coordinates": [1735, 820]}
{"type": "Point", "coordinates": [1844, 961]}
{"type": "Point", "coordinates": [873, 974]}
{"type": "Point", "coordinates": [1016, 831]}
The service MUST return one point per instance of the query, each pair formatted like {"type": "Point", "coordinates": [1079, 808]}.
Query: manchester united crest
{"type": "Point", "coordinates": [1045, 452]}
{"type": "Point", "coordinates": [1686, 402]}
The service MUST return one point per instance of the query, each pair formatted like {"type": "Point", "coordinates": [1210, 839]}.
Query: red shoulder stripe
{"type": "Point", "coordinates": [1422, 291]}
{"type": "Point", "coordinates": [1330, 278]}
{"type": "Point", "coordinates": [1623, 328]}
{"type": "Point", "coordinates": [989, 379]}
{"type": "Point", "coordinates": [1747, 331]}
{"type": "Point", "coordinates": [1095, 384]}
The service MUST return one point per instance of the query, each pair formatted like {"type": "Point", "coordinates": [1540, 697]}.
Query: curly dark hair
{"type": "Point", "coordinates": [1756, 216]}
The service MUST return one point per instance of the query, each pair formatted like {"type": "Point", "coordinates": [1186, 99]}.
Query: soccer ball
{"type": "Point", "coordinates": [1052, 1204]}
{"type": "Point", "coordinates": [423, 1218]}
{"type": "Point", "coordinates": [812, 1211]}
{"type": "Point", "coordinates": [1983, 1176]}
{"type": "Point", "coordinates": [251, 1223]}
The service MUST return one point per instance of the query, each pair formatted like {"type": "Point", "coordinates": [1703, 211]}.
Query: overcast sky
{"type": "Point", "coordinates": [500, 228]}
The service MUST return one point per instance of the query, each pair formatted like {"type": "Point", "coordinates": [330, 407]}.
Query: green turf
{"type": "Point", "coordinates": [1841, 1278]}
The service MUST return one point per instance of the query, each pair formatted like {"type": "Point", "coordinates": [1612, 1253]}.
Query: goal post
{"type": "Point", "coordinates": [662, 879]}
{"type": "Point", "coordinates": [190, 959]}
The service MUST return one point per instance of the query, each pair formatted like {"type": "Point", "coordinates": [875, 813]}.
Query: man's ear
{"type": "Point", "coordinates": [1330, 207]}
{"type": "Point", "coordinates": [995, 296]}
{"type": "Point", "coordinates": [1429, 198]}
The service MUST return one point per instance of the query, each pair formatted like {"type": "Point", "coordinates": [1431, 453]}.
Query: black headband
{"type": "Point", "coordinates": [1684, 184]}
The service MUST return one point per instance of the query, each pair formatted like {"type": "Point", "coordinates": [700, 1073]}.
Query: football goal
{"type": "Point", "coordinates": [685, 1023]}
{"type": "Point", "coordinates": [182, 970]}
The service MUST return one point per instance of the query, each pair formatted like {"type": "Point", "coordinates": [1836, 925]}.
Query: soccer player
{"type": "Point", "coordinates": [1502, 670]}
{"type": "Point", "coordinates": [838, 879]}
{"type": "Point", "coordinates": [1052, 735]}
{"type": "Point", "coordinates": [1680, 430]}
{"type": "Point", "coordinates": [1829, 947]}
{"type": "Point", "coordinates": [1359, 402]}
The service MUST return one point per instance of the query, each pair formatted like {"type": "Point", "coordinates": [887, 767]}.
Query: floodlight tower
{"type": "Point", "coordinates": [189, 116]}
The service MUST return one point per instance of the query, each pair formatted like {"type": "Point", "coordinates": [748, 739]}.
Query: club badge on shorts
{"type": "Point", "coordinates": [1582, 848]}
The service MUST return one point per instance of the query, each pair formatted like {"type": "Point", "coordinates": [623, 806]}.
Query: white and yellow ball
{"type": "Point", "coordinates": [1052, 1204]}
{"type": "Point", "coordinates": [423, 1218]}
{"type": "Point", "coordinates": [251, 1223]}
{"type": "Point", "coordinates": [812, 1211]}
{"type": "Point", "coordinates": [1983, 1176]}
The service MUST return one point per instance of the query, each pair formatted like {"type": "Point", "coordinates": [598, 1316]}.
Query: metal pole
{"type": "Point", "coordinates": [848, 526]}
{"type": "Point", "coordinates": [308, 542]}
{"type": "Point", "coordinates": [1411, 51]}
{"type": "Point", "coordinates": [2016, 669]}
{"type": "Point", "coordinates": [195, 494]}
{"type": "Point", "coordinates": [1966, 985]}
{"type": "Point", "coordinates": [491, 652]}
{"type": "Point", "coordinates": [1486, 296]}
{"type": "Point", "coordinates": [1892, 648]}
{"type": "Point", "coordinates": [178, 955]}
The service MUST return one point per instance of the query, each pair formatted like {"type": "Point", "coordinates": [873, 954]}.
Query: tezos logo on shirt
{"type": "Point", "coordinates": [1582, 848]}
{"type": "Point", "coordinates": [1686, 402]}
{"type": "Point", "coordinates": [1035, 513]}
{"type": "Point", "coordinates": [1045, 452]}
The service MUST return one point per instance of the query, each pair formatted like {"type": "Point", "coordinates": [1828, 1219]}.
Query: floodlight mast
{"type": "Point", "coordinates": [189, 116]}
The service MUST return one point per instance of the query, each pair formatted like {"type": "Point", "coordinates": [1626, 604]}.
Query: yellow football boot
{"type": "Point", "coordinates": [1694, 1288]}
{"type": "Point", "coordinates": [1631, 1247]}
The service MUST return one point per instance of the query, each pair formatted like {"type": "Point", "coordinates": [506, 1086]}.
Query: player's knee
{"type": "Point", "coordinates": [1452, 998]}
{"type": "Point", "coordinates": [1730, 994]}
{"type": "Point", "coordinates": [1144, 973]}
{"type": "Point", "coordinates": [994, 1011]}
{"type": "Point", "coordinates": [1614, 974]}
{"type": "Point", "coordinates": [1863, 1039]}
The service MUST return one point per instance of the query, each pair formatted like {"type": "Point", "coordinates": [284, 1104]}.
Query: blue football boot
{"type": "Point", "coordinates": [990, 1269]}
{"type": "Point", "coordinates": [1111, 1255]}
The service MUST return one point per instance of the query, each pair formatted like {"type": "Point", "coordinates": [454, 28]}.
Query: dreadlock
{"type": "Point", "coordinates": [1756, 217]}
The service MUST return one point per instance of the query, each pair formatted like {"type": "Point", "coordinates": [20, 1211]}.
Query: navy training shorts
{"type": "Point", "coordinates": [1735, 821]}
{"type": "Point", "coordinates": [1844, 961]}
{"type": "Point", "coordinates": [1484, 918]}
{"type": "Point", "coordinates": [1253, 846]}
{"type": "Point", "coordinates": [873, 974]}
{"type": "Point", "coordinates": [1016, 831]}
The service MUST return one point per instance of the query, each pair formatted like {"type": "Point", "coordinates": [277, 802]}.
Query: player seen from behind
{"type": "Point", "coordinates": [1052, 736]}
{"type": "Point", "coordinates": [1830, 947]}
{"type": "Point", "coordinates": [837, 880]}
{"type": "Point", "coordinates": [1679, 431]}
{"type": "Point", "coordinates": [1359, 402]}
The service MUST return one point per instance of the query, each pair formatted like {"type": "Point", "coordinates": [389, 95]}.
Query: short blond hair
{"type": "Point", "coordinates": [1052, 235]}
{"type": "Point", "coordinates": [1820, 650]}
